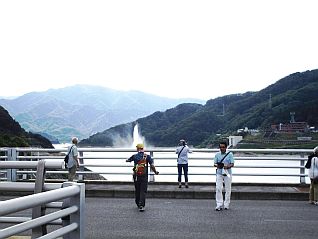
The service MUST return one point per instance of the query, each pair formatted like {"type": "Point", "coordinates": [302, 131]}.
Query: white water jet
{"type": "Point", "coordinates": [137, 137]}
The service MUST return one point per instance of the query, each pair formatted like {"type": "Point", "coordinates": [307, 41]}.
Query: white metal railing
{"type": "Point", "coordinates": [111, 162]}
{"type": "Point", "coordinates": [73, 207]}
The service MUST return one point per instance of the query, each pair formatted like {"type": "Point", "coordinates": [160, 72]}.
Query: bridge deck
{"type": "Point", "coordinates": [177, 213]}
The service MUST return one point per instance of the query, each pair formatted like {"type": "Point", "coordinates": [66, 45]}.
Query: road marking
{"type": "Point", "coordinates": [286, 220]}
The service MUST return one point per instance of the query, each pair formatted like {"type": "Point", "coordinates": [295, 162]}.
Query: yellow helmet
{"type": "Point", "coordinates": [139, 146]}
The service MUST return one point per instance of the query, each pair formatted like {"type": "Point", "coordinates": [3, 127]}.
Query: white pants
{"type": "Point", "coordinates": [218, 190]}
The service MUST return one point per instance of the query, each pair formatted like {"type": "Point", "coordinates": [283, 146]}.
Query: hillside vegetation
{"type": "Point", "coordinates": [200, 124]}
{"type": "Point", "coordinates": [12, 135]}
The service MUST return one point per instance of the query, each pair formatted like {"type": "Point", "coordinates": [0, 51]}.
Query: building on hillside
{"type": "Point", "coordinates": [234, 140]}
{"type": "Point", "coordinates": [291, 127]}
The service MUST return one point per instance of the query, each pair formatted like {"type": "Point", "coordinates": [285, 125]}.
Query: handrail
{"type": "Point", "coordinates": [74, 192]}
{"type": "Point", "coordinates": [111, 161]}
{"type": "Point", "coordinates": [30, 201]}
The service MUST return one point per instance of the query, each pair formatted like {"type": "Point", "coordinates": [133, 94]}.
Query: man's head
{"type": "Point", "coordinates": [74, 140]}
{"type": "Point", "coordinates": [139, 147]}
{"type": "Point", "coordinates": [223, 146]}
{"type": "Point", "coordinates": [182, 142]}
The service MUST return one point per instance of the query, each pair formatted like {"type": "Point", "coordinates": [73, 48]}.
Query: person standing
{"type": "Point", "coordinates": [224, 161]}
{"type": "Point", "coordinates": [140, 175]}
{"type": "Point", "coordinates": [313, 175]}
{"type": "Point", "coordinates": [182, 150]}
{"type": "Point", "coordinates": [73, 161]}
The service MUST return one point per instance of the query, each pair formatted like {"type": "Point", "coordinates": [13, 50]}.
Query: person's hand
{"type": "Point", "coordinates": [156, 172]}
{"type": "Point", "coordinates": [127, 160]}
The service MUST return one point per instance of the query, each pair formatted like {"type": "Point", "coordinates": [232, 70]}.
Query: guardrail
{"type": "Point", "coordinates": [72, 212]}
{"type": "Point", "coordinates": [256, 163]}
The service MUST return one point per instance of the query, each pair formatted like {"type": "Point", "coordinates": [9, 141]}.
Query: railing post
{"type": "Point", "coordinates": [12, 173]}
{"type": "Point", "coordinates": [79, 216]}
{"type": "Point", "coordinates": [39, 210]}
{"type": "Point", "coordinates": [302, 169]}
{"type": "Point", "coordinates": [81, 168]}
{"type": "Point", "coordinates": [151, 174]}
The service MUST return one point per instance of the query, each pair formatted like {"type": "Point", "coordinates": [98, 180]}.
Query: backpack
{"type": "Point", "coordinates": [141, 168]}
{"type": "Point", "coordinates": [66, 158]}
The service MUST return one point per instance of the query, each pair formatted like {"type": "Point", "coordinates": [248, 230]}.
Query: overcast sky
{"type": "Point", "coordinates": [171, 48]}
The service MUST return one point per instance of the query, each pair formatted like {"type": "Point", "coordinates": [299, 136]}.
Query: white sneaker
{"type": "Point", "coordinates": [218, 208]}
{"type": "Point", "coordinates": [141, 209]}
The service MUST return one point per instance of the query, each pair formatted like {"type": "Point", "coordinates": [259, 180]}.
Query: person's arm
{"type": "Point", "coordinates": [77, 161]}
{"type": "Point", "coordinates": [75, 156]}
{"type": "Point", "coordinates": [229, 166]}
{"type": "Point", "coordinates": [130, 159]}
{"type": "Point", "coordinates": [215, 161]}
{"type": "Point", "coordinates": [153, 168]}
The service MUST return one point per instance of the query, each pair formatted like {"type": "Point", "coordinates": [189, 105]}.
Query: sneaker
{"type": "Point", "coordinates": [187, 186]}
{"type": "Point", "coordinates": [316, 203]}
{"type": "Point", "coordinates": [226, 208]}
{"type": "Point", "coordinates": [218, 208]}
{"type": "Point", "coordinates": [141, 209]}
{"type": "Point", "coordinates": [180, 186]}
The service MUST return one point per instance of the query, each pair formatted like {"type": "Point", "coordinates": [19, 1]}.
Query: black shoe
{"type": "Point", "coordinates": [180, 186]}
{"type": "Point", "coordinates": [187, 186]}
{"type": "Point", "coordinates": [141, 209]}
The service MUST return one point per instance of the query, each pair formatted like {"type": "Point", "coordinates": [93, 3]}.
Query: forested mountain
{"type": "Point", "coordinates": [82, 110]}
{"type": "Point", "coordinates": [200, 123]}
{"type": "Point", "coordinates": [12, 135]}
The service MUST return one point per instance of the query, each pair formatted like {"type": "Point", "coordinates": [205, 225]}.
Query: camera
{"type": "Point", "coordinates": [220, 165]}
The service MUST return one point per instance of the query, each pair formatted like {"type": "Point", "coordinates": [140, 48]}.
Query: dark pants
{"type": "Point", "coordinates": [141, 184]}
{"type": "Point", "coordinates": [185, 171]}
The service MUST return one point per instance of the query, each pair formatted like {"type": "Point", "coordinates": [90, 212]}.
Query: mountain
{"type": "Point", "coordinates": [12, 135]}
{"type": "Point", "coordinates": [83, 110]}
{"type": "Point", "coordinates": [200, 124]}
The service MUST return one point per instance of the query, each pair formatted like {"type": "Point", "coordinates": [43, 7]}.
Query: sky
{"type": "Point", "coordinates": [171, 48]}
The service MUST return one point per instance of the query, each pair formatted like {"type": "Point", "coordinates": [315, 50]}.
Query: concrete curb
{"type": "Point", "coordinates": [240, 191]}
{"type": "Point", "coordinates": [202, 191]}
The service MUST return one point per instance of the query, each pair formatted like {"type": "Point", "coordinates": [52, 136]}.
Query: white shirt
{"type": "Point", "coordinates": [183, 157]}
{"type": "Point", "coordinates": [313, 170]}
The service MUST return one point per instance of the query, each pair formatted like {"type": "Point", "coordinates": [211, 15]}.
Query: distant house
{"type": "Point", "coordinates": [234, 140]}
{"type": "Point", "coordinates": [290, 127]}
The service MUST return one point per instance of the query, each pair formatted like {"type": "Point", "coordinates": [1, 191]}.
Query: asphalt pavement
{"type": "Point", "coordinates": [192, 218]}
{"type": "Point", "coordinates": [256, 211]}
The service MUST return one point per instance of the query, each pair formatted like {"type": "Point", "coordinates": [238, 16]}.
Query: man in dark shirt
{"type": "Point", "coordinates": [141, 161]}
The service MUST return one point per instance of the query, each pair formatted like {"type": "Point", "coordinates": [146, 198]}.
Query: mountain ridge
{"type": "Point", "coordinates": [200, 124]}
{"type": "Point", "coordinates": [83, 110]}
